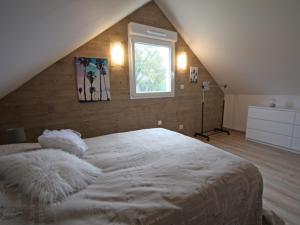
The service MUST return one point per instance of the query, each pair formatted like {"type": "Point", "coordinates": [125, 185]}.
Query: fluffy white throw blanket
{"type": "Point", "coordinates": [47, 175]}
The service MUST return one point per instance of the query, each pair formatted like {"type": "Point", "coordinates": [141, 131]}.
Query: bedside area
{"type": "Point", "coordinates": [278, 127]}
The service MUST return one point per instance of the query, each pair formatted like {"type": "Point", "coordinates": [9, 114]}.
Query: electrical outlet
{"type": "Point", "coordinates": [159, 122]}
{"type": "Point", "coordinates": [181, 86]}
{"type": "Point", "coordinates": [180, 126]}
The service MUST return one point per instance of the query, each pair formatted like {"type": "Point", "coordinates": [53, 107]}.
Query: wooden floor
{"type": "Point", "coordinates": [280, 170]}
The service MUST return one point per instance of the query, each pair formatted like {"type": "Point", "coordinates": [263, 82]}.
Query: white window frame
{"type": "Point", "coordinates": [138, 33]}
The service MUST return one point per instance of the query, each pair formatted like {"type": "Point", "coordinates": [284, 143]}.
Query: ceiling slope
{"type": "Point", "coordinates": [251, 45]}
{"type": "Point", "coordinates": [34, 33]}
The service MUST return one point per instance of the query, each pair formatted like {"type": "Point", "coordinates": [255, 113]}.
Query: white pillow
{"type": "Point", "coordinates": [46, 175]}
{"type": "Point", "coordinates": [67, 140]}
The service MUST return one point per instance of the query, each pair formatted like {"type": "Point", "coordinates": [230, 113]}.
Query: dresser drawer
{"type": "Point", "coordinates": [296, 144]}
{"type": "Point", "coordinates": [270, 126]}
{"type": "Point", "coordinates": [297, 131]}
{"type": "Point", "coordinates": [270, 138]}
{"type": "Point", "coordinates": [272, 114]}
{"type": "Point", "coordinates": [297, 121]}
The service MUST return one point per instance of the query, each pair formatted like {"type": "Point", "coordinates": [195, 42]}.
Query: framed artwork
{"type": "Point", "coordinates": [193, 74]}
{"type": "Point", "coordinates": [92, 75]}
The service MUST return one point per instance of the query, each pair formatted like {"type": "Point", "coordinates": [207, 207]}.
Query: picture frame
{"type": "Point", "coordinates": [93, 79]}
{"type": "Point", "coordinates": [193, 74]}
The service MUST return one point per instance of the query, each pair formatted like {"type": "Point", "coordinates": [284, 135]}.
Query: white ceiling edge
{"type": "Point", "coordinates": [35, 34]}
{"type": "Point", "coordinates": [253, 46]}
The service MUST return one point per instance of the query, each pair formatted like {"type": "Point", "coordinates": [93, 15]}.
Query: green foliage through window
{"type": "Point", "coordinates": [152, 68]}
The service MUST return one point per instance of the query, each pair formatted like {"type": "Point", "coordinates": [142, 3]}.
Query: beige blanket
{"type": "Point", "coordinates": [154, 177]}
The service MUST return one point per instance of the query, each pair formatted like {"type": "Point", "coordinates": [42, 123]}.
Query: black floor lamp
{"type": "Point", "coordinates": [206, 87]}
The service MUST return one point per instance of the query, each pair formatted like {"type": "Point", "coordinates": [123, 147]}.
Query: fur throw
{"type": "Point", "coordinates": [46, 175]}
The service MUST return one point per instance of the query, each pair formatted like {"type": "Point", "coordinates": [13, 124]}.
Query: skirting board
{"type": "Point", "coordinates": [275, 146]}
{"type": "Point", "coordinates": [231, 129]}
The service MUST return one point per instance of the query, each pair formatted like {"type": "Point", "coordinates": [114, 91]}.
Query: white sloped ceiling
{"type": "Point", "coordinates": [251, 45]}
{"type": "Point", "coordinates": [36, 33]}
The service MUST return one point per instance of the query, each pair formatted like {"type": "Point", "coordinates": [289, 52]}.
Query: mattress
{"type": "Point", "coordinates": [153, 177]}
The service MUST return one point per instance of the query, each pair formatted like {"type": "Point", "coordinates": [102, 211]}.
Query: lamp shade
{"type": "Point", "coordinates": [182, 61]}
{"type": "Point", "coordinates": [117, 53]}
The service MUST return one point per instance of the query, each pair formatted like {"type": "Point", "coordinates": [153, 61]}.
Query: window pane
{"type": "Point", "coordinates": [152, 68]}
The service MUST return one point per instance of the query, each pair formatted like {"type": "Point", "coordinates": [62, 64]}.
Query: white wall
{"type": "Point", "coordinates": [237, 107]}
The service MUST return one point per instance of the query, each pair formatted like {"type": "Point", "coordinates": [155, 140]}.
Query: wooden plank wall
{"type": "Point", "coordinates": [49, 100]}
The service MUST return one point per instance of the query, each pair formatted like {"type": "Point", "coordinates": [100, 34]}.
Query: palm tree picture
{"type": "Point", "coordinates": [91, 76]}
{"type": "Point", "coordinates": [102, 65]}
{"type": "Point", "coordinates": [93, 81]}
{"type": "Point", "coordinates": [85, 62]}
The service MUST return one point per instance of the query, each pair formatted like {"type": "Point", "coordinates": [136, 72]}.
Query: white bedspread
{"type": "Point", "coordinates": [155, 177]}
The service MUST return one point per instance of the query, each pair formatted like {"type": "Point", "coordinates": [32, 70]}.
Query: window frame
{"type": "Point", "coordinates": [132, 77]}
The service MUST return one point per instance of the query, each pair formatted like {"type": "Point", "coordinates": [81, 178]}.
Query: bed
{"type": "Point", "coordinates": [151, 177]}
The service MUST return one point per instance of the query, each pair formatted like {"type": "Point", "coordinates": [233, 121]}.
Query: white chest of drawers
{"type": "Point", "coordinates": [274, 126]}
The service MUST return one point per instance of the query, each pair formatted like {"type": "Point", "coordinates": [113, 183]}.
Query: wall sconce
{"type": "Point", "coordinates": [117, 53]}
{"type": "Point", "coordinates": [182, 61]}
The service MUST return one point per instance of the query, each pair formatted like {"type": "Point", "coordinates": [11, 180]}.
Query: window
{"type": "Point", "coordinates": [151, 62]}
